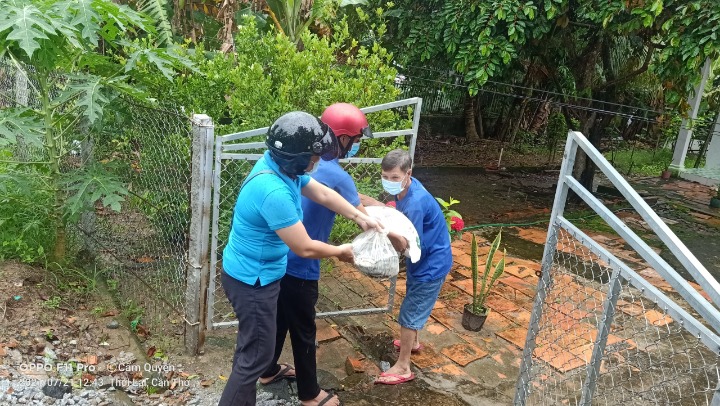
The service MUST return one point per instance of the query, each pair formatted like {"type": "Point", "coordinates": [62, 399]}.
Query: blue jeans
{"type": "Point", "coordinates": [256, 310]}
{"type": "Point", "coordinates": [420, 297]}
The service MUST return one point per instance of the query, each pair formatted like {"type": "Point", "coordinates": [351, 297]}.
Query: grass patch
{"type": "Point", "coordinates": [644, 162]}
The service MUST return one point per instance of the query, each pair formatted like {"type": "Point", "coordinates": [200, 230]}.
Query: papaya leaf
{"type": "Point", "coordinates": [19, 122]}
{"type": "Point", "coordinates": [92, 184]}
{"type": "Point", "coordinates": [89, 90]}
{"type": "Point", "coordinates": [27, 26]}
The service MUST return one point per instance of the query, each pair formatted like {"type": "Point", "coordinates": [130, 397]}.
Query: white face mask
{"type": "Point", "coordinates": [393, 188]}
{"type": "Point", "coordinates": [314, 168]}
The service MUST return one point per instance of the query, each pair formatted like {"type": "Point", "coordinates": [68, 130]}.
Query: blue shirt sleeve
{"type": "Point", "coordinates": [278, 210]}
{"type": "Point", "coordinates": [304, 180]}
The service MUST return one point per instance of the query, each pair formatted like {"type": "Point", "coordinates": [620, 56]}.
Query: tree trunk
{"type": "Point", "coordinates": [479, 118]}
{"type": "Point", "coordinates": [469, 114]}
{"type": "Point", "coordinates": [518, 120]}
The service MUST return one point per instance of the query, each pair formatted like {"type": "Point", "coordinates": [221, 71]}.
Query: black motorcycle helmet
{"type": "Point", "coordinates": [296, 137]}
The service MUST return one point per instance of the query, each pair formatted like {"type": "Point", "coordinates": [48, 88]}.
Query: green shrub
{"type": "Point", "coordinates": [26, 226]}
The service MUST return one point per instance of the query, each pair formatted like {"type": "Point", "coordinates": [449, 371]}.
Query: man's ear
{"type": "Point", "coordinates": [410, 172]}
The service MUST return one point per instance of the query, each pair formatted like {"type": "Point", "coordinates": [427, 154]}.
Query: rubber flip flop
{"type": "Point", "coordinates": [327, 398]}
{"type": "Point", "coordinates": [398, 378]}
{"type": "Point", "coordinates": [281, 375]}
{"type": "Point", "coordinates": [419, 348]}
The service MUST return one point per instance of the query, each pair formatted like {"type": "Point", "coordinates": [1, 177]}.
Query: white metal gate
{"type": "Point", "coordinates": [343, 291]}
{"type": "Point", "coordinates": [602, 332]}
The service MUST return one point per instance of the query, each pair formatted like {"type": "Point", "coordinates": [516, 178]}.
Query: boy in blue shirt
{"type": "Point", "coordinates": [425, 278]}
{"type": "Point", "coordinates": [299, 286]}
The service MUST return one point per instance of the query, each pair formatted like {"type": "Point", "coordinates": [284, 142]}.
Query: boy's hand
{"type": "Point", "coordinates": [399, 242]}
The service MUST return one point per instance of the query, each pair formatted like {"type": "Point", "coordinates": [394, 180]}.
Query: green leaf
{"type": "Point", "coordinates": [28, 26]}
{"type": "Point", "coordinates": [86, 19]}
{"type": "Point", "coordinates": [344, 3]}
{"type": "Point", "coordinates": [89, 90]}
{"type": "Point", "coordinates": [18, 122]}
{"type": "Point", "coordinates": [90, 185]}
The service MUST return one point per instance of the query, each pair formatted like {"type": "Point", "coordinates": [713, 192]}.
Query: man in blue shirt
{"type": "Point", "coordinates": [425, 278]}
{"type": "Point", "coordinates": [299, 286]}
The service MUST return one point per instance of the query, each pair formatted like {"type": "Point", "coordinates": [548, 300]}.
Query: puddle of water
{"type": "Point", "coordinates": [515, 246]}
{"type": "Point", "coordinates": [486, 196]}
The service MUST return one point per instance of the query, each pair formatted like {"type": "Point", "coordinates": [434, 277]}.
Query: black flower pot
{"type": "Point", "coordinates": [472, 321]}
{"type": "Point", "coordinates": [715, 202]}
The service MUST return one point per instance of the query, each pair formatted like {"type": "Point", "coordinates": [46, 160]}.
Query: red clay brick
{"type": "Point", "coordinates": [455, 371]}
{"type": "Point", "coordinates": [463, 354]}
{"type": "Point", "coordinates": [325, 332]}
{"type": "Point", "coordinates": [354, 366]}
{"type": "Point", "coordinates": [520, 271]}
{"type": "Point", "coordinates": [630, 309]}
{"type": "Point", "coordinates": [559, 358]}
{"type": "Point", "coordinates": [435, 328]}
{"type": "Point", "coordinates": [514, 335]}
{"type": "Point", "coordinates": [536, 235]}
{"type": "Point", "coordinates": [522, 286]}
{"type": "Point", "coordinates": [428, 358]}
{"type": "Point", "coordinates": [462, 259]}
{"type": "Point", "coordinates": [500, 304]}
{"type": "Point", "coordinates": [657, 318]}
{"type": "Point", "coordinates": [464, 285]}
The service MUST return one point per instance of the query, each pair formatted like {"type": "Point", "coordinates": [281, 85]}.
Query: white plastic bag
{"type": "Point", "coordinates": [394, 221]}
{"type": "Point", "coordinates": [375, 255]}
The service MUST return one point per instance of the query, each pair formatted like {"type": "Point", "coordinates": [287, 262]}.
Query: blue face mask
{"type": "Point", "coordinates": [393, 188]}
{"type": "Point", "coordinates": [353, 150]}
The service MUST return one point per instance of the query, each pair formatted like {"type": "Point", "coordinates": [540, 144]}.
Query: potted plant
{"type": "Point", "coordinates": [715, 200]}
{"type": "Point", "coordinates": [666, 173]}
{"type": "Point", "coordinates": [454, 220]}
{"type": "Point", "coordinates": [475, 313]}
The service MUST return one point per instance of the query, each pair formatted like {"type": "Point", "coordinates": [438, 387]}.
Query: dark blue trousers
{"type": "Point", "coordinates": [256, 310]}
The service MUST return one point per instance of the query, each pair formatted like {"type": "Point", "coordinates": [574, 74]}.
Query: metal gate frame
{"type": "Point", "coordinates": [226, 147]}
{"type": "Point", "coordinates": [620, 271]}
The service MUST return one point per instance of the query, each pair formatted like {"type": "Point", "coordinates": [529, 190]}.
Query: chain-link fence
{"type": "Point", "coordinates": [612, 327]}
{"type": "Point", "coordinates": [343, 290]}
{"type": "Point", "coordinates": [143, 246]}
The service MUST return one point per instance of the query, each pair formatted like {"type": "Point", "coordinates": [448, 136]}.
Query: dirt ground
{"type": "Point", "coordinates": [87, 340]}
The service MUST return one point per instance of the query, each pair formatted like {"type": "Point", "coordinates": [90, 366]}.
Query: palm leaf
{"type": "Point", "coordinates": [155, 9]}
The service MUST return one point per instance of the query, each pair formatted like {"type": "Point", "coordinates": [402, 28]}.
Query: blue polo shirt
{"type": "Point", "coordinates": [319, 219]}
{"type": "Point", "coordinates": [268, 202]}
{"type": "Point", "coordinates": [424, 212]}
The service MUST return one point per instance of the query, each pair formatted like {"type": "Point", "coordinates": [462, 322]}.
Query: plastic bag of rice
{"type": "Point", "coordinates": [375, 255]}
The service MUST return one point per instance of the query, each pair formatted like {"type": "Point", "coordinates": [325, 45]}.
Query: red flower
{"type": "Point", "coordinates": [457, 224]}
{"type": "Point", "coordinates": [391, 204]}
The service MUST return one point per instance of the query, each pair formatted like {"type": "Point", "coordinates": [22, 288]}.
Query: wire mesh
{"type": "Point", "coordinates": [144, 246]}
{"type": "Point", "coordinates": [341, 286]}
{"type": "Point", "coordinates": [17, 90]}
{"type": "Point", "coordinates": [649, 358]}
{"type": "Point", "coordinates": [342, 289]}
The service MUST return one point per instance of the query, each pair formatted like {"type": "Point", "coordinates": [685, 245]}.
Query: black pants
{"type": "Point", "coordinates": [256, 310]}
{"type": "Point", "coordinates": [296, 314]}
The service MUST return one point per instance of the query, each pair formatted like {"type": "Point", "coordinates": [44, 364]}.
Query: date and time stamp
{"type": "Point", "coordinates": [83, 375]}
